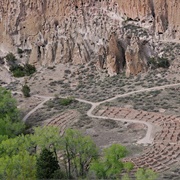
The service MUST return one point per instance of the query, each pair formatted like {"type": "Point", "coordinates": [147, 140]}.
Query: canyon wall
{"type": "Point", "coordinates": [60, 31]}
{"type": "Point", "coordinates": [165, 14]}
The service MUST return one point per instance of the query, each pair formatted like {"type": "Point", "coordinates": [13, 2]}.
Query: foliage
{"type": "Point", "coordinates": [59, 174]}
{"type": "Point", "coordinates": [78, 152]}
{"type": "Point", "coordinates": [46, 165]}
{"type": "Point", "coordinates": [46, 137]}
{"type": "Point", "coordinates": [10, 123]}
{"type": "Point", "coordinates": [66, 101]}
{"type": "Point", "coordinates": [18, 155]}
{"type": "Point", "coordinates": [21, 71]}
{"type": "Point", "coordinates": [7, 105]}
{"type": "Point", "coordinates": [35, 156]}
{"type": "Point", "coordinates": [9, 128]}
{"type": "Point", "coordinates": [14, 146]}
{"type": "Point", "coordinates": [158, 63]}
{"type": "Point", "coordinates": [10, 58]}
{"type": "Point", "coordinates": [29, 69]}
{"type": "Point", "coordinates": [110, 166]}
{"type": "Point", "coordinates": [26, 91]}
{"type": "Point", "coordinates": [18, 167]}
{"type": "Point", "coordinates": [17, 70]}
{"type": "Point", "coordinates": [145, 174]}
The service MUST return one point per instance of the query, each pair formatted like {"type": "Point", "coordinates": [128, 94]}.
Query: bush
{"type": "Point", "coordinates": [26, 91]}
{"type": "Point", "coordinates": [11, 59]}
{"type": "Point", "coordinates": [20, 51]}
{"type": "Point", "coordinates": [158, 63]}
{"type": "Point", "coordinates": [163, 62]}
{"type": "Point", "coordinates": [66, 101]}
{"type": "Point", "coordinates": [17, 70]}
{"type": "Point", "coordinates": [29, 69]}
{"type": "Point", "coordinates": [21, 71]}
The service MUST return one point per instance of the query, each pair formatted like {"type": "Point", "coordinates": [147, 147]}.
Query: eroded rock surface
{"type": "Point", "coordinates": [74, 31]}
{"type": "Point", "coordinates": [136, 61]}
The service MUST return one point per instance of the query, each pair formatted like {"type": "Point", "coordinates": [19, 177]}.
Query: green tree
{"type": "Point", "coordinates": [18, 154]}
{"type": "Point", "coordinates": [145, 174]}
{"type": "Point", "coordinates": [46, 137]}
{"type": "Point", "coordinates": [9, 128]}
{"type": "Point", "coordinates": [10, 123]}
{"type": "Point", "coordinates": [18, 167]}
{"type": "Point", "coordinates": [110, 165]}
{"type": "Point", "coordinates": [46, 165]}
{"type": "Point", "coordinates": [78, 152]}
{"type": "Point", "coordinates": [26, 91]}
{"type": "Point", "coordinates": [8, 106]}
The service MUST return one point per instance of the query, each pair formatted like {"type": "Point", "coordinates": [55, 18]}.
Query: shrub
{"type": "Point", "coordinates": [158, 63]}
{"type": "Point", "coordinates": [17, 70]}
{"type": "Point", "coordinates": [26, 91]}
{"type": "Point", "coordinates": [11, 59]}
{"type": "Point", "coordinates": [163, 62]}
{"type": "Point", "coordinates": [21, 71]}
{"type": "Point", "coordinates": [66, 101]}
{"type": "Point", "coordinates": [20, 51]}
{"type": "Point", "coordinates": [29, 69]}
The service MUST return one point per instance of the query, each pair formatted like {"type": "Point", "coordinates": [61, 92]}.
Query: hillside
{"type": "Point", "coordinates": [109, 68]}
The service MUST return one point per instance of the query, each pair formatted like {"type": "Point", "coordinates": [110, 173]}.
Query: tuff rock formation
{"type": "Point", "coordinates": [136, 61]}
{"type": "Point", "coordinates": [60, 31]}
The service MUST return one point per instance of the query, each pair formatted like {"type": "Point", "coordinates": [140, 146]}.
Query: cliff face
{"type": "Point", "coordinates": [164, 14]}
{"type": "Point", "coordinates": [60, 31]}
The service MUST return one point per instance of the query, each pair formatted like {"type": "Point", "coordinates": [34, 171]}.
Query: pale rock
{"type": "Point", "coordinates": [135, 61]}
{"type": "Point", "coordinates": [112, 66]}
{"type": "Point", "coordinates": [71, 31]}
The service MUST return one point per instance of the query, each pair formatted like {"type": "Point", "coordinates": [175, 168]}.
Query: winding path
{"type": "Point", "coordinates": [148, 139]}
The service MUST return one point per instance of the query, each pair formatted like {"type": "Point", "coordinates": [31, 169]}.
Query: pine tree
{"type": "Point", "coordinates": [46, 165]}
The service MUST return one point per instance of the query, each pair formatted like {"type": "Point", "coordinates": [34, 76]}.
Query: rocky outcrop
{"type": "Point", "coordinates": [102, 54]}
{"type": "Point", "coordinates": [167, 23]}
{"type": "Point", "coordinates": [135, 9]}
{"type": "Point", "coordinates": [136, 61]}
{"type": "Point", "coordinates": [115, 58]}
{"type": "Point", "coordinates": [162, 14]}
{"type": "Point", "coordinates": [74, 30]}
{"type": "Point", "coordinates": [112, 66]}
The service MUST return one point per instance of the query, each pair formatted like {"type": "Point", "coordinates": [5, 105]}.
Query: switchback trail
{"type": "Point", "coordinates": [148, 139]}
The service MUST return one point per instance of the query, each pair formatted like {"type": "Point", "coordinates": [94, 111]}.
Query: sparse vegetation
{"type": "Point", "coordinates": [21, 71]}
{"type": "Point", "coordinates": [153, 101]}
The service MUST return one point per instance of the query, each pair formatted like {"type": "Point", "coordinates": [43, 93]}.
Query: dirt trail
{"type": "Point", "coordinates": [148, 139]}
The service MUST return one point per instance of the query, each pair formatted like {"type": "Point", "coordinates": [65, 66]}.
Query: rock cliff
{"type": "Point", "coordinates": [60, 31]}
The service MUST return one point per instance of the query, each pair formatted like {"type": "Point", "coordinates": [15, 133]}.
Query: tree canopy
{"type": "Point", "coordinates": [10, 123]}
